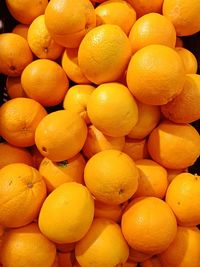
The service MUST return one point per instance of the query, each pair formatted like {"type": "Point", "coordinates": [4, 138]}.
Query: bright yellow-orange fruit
{"type": "Point", "coordinates": [26, 246]}
{"type": "Point", "coordinates": [22, 192]}
{"type": "Point", "coordinates": [143, 7]}
{"type": "Point", "coordinates": [189, 60]}
{"type": "Point", "coordinates": [68, 21]}
{"type": "Point", "coordinates": [40, 40]}
{"type": "Point", "coordinates": [136, 148]}
{"type": "Point", "coordinates": [152, 28]}
{"type": "Point", "coordinates": [14, 87]}
{"type": "Point", "coordinates": [19, 118]}
{"type": "Point", "coordinates": [117, 12]}
{"type": "Point", "coordinates": [69, 223]}
{"type": "Point", "coordinates": [104, 235]}
{"type": "Point", "coordinates": [111, 176]}
{"type": "Point", "coordinates": [76, 99]}
{"type": "Point", "coordinates": [174, 146]}
{"type": "Point", "coordinates": [57, 173]}
{"type": "Point", "coordinates": [21, 29]}
{"type": "Point", "coordinates": [96, 142]}
{"type": "Point", "coordinates": [184, 251]}
{"type": "Point", "coordinates": [104, 54]}
{"type": "Point", "coordinates": [155, 74]}
{"type": "Point", "coordinates": [15, 54]}
{"type": "Point", "coordinates": [61, 135]}
{"type": "Point", "coordinates": [112, 212]}
{"type": "Point", "coordinates": [184, 108]}
{"type": "Point", "coordinates": [136, 225]}
{"type": "Point", "coordinates": [183, 196]}
{"type": "Point", "coordinates": [112, 109]}
{"type": "Point", "coordinates": [184, 15]}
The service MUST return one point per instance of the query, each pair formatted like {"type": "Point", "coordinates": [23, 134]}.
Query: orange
{"type": "Point", "coordinates": [61, 135]}
{"type": "Point", "coordinates": [22, 192]}
{"type": "Point", "coordinates": [15, 54]}
{"type": "Point", "coordinates": [143, 7]}
{"type": "Point", "coordinates": [184, 108]}
{"type": "Point", "coordinates": [179, 42]}
{"type": "Point", "coordinates": [71, 66]}
{"type": "Point", "coordinates": [152, 180]}
{"type": "Point", "coordinates": [184, 251]}
{"type": "Point", "coordinates": [136, 256]}
{"type": "Point", "coordinates": [45, 81]}
{"type": "Point", "coordinates": [175, 146]}
{"type": "Point", "coordinates": [66, 259]}
{"type": "Point", "coordinates": [26, 246]}
{"type": "Point", "coordinates": [68, 22]}
{"type": "Point", "coordinates": [144, 225]}
{"type": "Point", "coordinates": [19, 118]}
{"type": "Point", "coordinates": [112, 109]}
{"type": "Point", "coordinates": [37, 156]}
{"type": "Point", "coordinates": [103, 236]}
{"type": "Point", "coordinates": [189, 60]}
{"type": "Point", "coordinates": [152, 28]}
{"type": "Point", "coordinates": [104, 53]}
{"type": "Point", "coordinates": [155, 74]}
{"type": "Point", "coordinates": [135, 148]}
{"type": "Point", "coordinates": [76, 99]}
{"type": "Point", "coordinates": [172, 173]}
{"type": "Point", "coordinates": [26, 11]}
{"type": "Point", "coordinates": [129, 264]}
{"type": "Point", "coordinates": [57, 173]}
{"type": "Point", "coordinates": [111, 176]}
{"type": "Point", "coordinates": [65, 248]}
{"type": "Point", "coordinates": [11, 154]}
{"type": "Point", "coordinates": [152, 262]}
{"type": "Point", "coordinates": [67, 213]}
{"type": "Point", "coordinates": [14, 87]}
{"type": "Point", "coordinates": [21, 29]}
{"type": "Point", "coordinates": [117, 12]}
{"type": "Point", "coordinates": [112, 212]}
{"type": "Point", "coordinates": [183, 196]}
{"type": "Point", "coordinates": [184, 15]}
{"type": "Point", "coordinates": [41, 42]}
{"type": "Point", "coordinates": [97, 141]}
{"type": "Point", "coordinates": [148, 118]}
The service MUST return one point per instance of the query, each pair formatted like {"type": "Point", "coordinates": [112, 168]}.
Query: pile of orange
{"type": "Point", "coordinates": [102, 180]}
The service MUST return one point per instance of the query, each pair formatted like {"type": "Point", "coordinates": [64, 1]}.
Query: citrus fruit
{"type": "Point", "coordinates": [135, 148]}
{"type": "Point", "coordinates": [112, 212]}
{"type": "Point", "coordinates": [189, 60]}
{"type": "Point", "coordinates": [14, 87]}
{"type": "Point", "coordinates": [143, 7]}
{"type": "Point", "coordinates": [21, 29]}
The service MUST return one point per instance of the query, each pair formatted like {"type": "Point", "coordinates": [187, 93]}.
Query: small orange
{"type": "Point", "coordinates": [26, 246]}
{"type": "Point", "coordinates": [41, 42]}
{"type": "Point", "coordinates": [137, 256]}
{"type": "Point", "coordinates": [104, 53]}
{"type": "Point", "coordinates": [22, 192]}
{"type": "Point", "coordinates": [148, 118]}
{"type": "Point", "coordinates": [67, 213]}
{"type": "Point", "coordinates": [183, 196]}
{"type": "Point", "coordinates": [143, 7]}
{"type": "Point", "coordinates": [96, 141]}
{"type": "Point", "coordinates": [26, 11]}
{"type": "Point", "coordinates": [37, 156]}
{"type": "Point", "coordinates": [112, 212]}
{"type": "Point", "coordinates": [152, 28]}
{"type": "Point", "coordinates": [67, 22]}
{"type": "Point", "coordinates": [152, 180]}
{"type": "Point", "coordinates": [184, 108]}
{"type": "Point", "coordinates": [57, 173]}
{"type": "Point", "coordinates": [112, 109]}
{"type": "Point", "coordinates": [174, 146]}
{"type": "Point", "coordinates": [14, 87]}
{"type": "Point", "coordinates": [76, 99]}
{"type": "Point", "coordinates": [104, 235]}
{"type": "Point", "coordinates": [11, 154]}
{"type": "Point", "coordinates": [172, 173]}
{"type": "Point", "coordinates": [184, 251]}
{"type": "Point", "coordinates": [111, 176]}
{"type": "Point", "coordinates": [21, 29]}
{"type": "Point", "coordinates": [136, 148]}
{"type": "Point", "coordinates": [15, 54]}
{"type": "Point", "coordinates": [155, 74]}
{"type": "Point", "coordinates": [19, 118]}
{"type": "Point", "coordinates": [45, 81]}
{"type": "Point", "coordinates": [71, 66]}
{"type": "Point", "coordinates": [184, 15]}
{"type": "Point", "coordinates": [152, 262]}
{"type": "Point", "coordinates": [117, 12]}
{"type": "Point", "coordinates": [149, 235]}
{"type": "Point", "coordinates": [189, 60]}
{"type": "Point", "coordinates": [61, 135]}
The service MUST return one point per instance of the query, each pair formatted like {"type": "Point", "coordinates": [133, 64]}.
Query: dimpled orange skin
{"type": "Point", "coordinates": [61, 135]}
{"type": "Point", "coordinates": [104, 54]}
{"type": "Point", "coordinates": [68, 22]}
{"type": "Point", "coordinates": [112, 109]}
{"type": "Point", "coordinates": [155, 74]}
{"type": "Point", "coordinates": [169, 137]}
